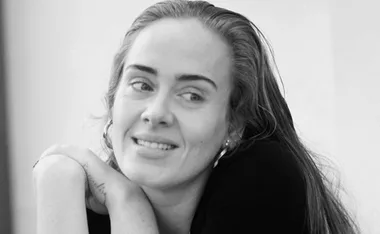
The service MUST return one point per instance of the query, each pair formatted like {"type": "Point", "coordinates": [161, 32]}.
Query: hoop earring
{"type": "Point", "coordinates": [222, 153]}
{"type": "Point", "coordinates": [105, 134]}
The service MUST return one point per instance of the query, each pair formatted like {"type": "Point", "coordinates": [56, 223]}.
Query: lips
{"type": "Point", "coordinates": [154, 145]}
{"type": "Point", "coordinates": [154, 142]}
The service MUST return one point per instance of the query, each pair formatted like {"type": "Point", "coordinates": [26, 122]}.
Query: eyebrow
{"type": "Point", "coordinates": [182, 77]}
{"type": "Point", "coordinates": [143, 68]}
{"type": "Point", "coordinates": [191, 77]}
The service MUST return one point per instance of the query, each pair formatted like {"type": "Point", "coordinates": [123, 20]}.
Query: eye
{"type": "Point", "coordinates": [192, 97]}
{"type": "Point", "coordinates": [141, 86]}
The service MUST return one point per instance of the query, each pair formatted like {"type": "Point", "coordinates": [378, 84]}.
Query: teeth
{"type": "Point", "coordinates": [155, 145]}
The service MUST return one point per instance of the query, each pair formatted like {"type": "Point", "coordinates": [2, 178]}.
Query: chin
{"type": "Point", "coordinates": [146, 175]}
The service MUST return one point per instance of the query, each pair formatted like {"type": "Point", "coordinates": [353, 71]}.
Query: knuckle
{"type": "Point", "coordinates": [87, 151]}
{"type": "Point", "coordinates": [57, 165]}
{"type": "Point", "coordinates": [50, 150]}
{"type": "Point", "coordinates": [54, 147]}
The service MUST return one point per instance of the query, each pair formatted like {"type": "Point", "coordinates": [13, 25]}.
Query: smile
{"type": "Point", "coordinates": [153, 145]}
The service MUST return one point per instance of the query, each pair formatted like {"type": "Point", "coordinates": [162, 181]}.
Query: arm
{"type": "Point", "coordinates": [59, 186]}
{"type": "Point", "coordinates": [129, 209]}
{"type": "Point", "coordinates": [132, 214]}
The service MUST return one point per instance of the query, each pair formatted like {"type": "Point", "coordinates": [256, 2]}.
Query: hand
{"type": "Point", "coordinates": [104, 185]}
{"type": "Point", "coordinates": [59, 186]}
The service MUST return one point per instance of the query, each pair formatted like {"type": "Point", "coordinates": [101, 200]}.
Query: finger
{"type": "Point", "coordinates": [101, 177]}
{"type": "Point", "coordinates": [52, 150]}
{"type": "Point", "coordinates": [81, 155]}
{"type": "Point", "coordinates": [96, 170]}
{"type": "Point", "coordinates": [34, 165]}
{"type": "Point", "coordinates": [59, 149]}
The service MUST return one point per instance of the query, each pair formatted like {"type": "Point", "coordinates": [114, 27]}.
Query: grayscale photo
{"type": "Point", "coordinates": [189, 117]}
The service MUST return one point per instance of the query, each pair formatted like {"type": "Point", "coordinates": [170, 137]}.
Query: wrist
{"type": "Point", "coordinates": [132, 213]}
{"type": "Point", "coordinates": [129, 196]}
{"type": "Point", "coordinates": [121, 196]}
{"type": "Point", "coordinates": [58, 168]}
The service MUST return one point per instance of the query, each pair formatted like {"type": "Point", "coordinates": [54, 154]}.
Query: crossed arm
{"type": "Point", "coordinates": [61, 207]}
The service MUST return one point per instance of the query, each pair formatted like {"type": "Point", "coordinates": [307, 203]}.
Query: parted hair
{"type": "Point", "coordinates": [256, 103]}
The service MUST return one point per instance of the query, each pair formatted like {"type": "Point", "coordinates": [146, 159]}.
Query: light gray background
{"type": "Point", "coordinates": [59, 54]}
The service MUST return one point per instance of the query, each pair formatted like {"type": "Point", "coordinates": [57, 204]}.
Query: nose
{"type": "Point", "coordinates": [158, 113]}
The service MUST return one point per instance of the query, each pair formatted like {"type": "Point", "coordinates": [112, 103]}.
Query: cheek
{"type": "Point", "coordinates": [121, 116]}
{"type": "Point", "coordinates": [123, 119]}
{"type": "Point", "coordinates": [204, 135]}
{"type": "Point", "coordinates": [125, 109]}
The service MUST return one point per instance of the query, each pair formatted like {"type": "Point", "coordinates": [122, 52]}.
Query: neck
{"type": "Point", "coordinates": [175, 207]}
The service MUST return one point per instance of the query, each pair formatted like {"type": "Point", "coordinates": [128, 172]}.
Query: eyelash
{"type": "Point", "coordinates": [142, 83]}
{"type": "Point", "coordinates": [199, 97]}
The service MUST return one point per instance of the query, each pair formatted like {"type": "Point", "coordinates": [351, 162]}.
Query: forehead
{"type": "Point", "coordinates": [182, 46]}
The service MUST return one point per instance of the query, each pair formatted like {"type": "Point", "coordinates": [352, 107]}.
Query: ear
{"type": "Point", "coordinates": [235, 132]}
{"type": "Point", "coordinates": [234, 138]}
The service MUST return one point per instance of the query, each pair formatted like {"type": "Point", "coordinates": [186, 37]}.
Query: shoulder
{"type": "Point", "coordinates": [265, 162]}
{"type": "Point", "coordinates": [259, 188]}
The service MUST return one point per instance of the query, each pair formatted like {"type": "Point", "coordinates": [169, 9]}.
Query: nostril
{"type": "Point", "coordinates": [163, 123]}
{"type": "Point", "coordinates": [157, 118]}
{"type": "Point", "coordinates": [154, 121]}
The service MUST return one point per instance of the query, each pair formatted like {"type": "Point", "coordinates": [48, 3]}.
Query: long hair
{"type": "Point", "coordinates": [255, 102]}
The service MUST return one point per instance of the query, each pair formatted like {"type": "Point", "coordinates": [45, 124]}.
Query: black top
{"type": "Point", "coordinates": [258, 190]}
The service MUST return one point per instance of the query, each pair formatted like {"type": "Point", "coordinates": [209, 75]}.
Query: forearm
{"type": "Point", "coordinates": [60, 197]}
{"type": "Point", "coordinates": [133, 216]}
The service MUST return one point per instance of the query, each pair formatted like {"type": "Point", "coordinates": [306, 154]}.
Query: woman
{"type": "Point", "coordinates": [200, 138]}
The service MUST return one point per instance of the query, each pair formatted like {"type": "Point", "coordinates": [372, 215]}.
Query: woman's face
{"type": "Point", "coordinates": [170, 110]}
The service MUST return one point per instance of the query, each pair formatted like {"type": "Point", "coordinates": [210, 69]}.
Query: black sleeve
{"type": "Point", "coordinates": [98, 224]}
{"type": "Point", "coordinates": [261, 192]}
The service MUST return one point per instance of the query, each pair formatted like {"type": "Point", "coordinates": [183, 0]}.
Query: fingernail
{"type": "Point", "coordinates": [36, 163]}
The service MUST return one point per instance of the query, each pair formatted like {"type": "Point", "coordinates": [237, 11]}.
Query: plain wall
{"type": "Point", "coordinates": [356, 36]}
{"type": "Point", "coordinates": [59, 56]}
